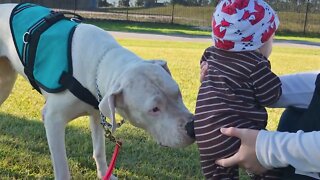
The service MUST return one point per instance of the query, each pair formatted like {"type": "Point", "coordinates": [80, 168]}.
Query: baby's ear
{"type": "Point", "coordinates": [161, 63]}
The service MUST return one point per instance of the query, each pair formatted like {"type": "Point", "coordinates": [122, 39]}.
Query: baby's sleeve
{"type": "Point", "coordinates": [206, 54]}
{"type": "Point", "coordinates": [266, 84]}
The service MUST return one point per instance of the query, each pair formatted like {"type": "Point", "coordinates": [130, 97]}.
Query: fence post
{"type": "Point", "coordinates": [172, 13]}
{"type": "Point", "coordinates": [127, 13]}
{"type": "Point", "coordinates": [306, 18]}
{"type": "Point", "coordinates": [75, 6]}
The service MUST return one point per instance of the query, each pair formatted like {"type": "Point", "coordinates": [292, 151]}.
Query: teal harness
{"type": "Point", "coordinates": [43, 40]}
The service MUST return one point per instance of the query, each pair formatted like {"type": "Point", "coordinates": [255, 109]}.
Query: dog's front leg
{"type": "Point", "coordinates": [55, 130]}
{"type": "Point", "coordinates": [98, 142]}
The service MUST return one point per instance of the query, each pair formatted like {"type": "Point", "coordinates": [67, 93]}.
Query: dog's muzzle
{"type": "Point", "coordinates": [190, 129]}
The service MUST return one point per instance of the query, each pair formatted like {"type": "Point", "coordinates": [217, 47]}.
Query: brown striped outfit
{"type": "Point", "coordinates": [234, 92]}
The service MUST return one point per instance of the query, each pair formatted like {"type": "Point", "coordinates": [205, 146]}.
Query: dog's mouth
{"type": "Point", "coordinates": [189, 127]}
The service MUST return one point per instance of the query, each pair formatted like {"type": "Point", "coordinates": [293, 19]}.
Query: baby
{"type": "Point", "coordinates": [238, 83]}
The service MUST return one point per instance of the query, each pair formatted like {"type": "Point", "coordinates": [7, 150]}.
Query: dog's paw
{"type": "Point", "coordinates": [113, 177]}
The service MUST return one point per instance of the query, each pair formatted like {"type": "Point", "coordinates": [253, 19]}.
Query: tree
{"type": "Point", "coordinates": [124, 3]}
{"type": "Point", "coordinates": [103, 3]}
{"type": "Point", "coordinates": [139, 3]}
{"type": "Point", "coordinates": [149, 3]}
{"type": "Point", "coordinates": [214, 2]}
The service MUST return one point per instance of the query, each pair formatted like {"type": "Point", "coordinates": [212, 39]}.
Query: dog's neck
{"type": "Point", "coordinates": [109, 67]}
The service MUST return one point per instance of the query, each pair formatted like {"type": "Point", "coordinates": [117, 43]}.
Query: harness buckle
{"type": "Point", "coordinates": [76, 20]}
{"type": "Point", "coordinates": [26, 37]}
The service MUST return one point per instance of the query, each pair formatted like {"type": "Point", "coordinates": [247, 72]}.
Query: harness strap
{"type": "Point", "coordinates": [75, 87]}
{"type": "Point", "coordinates": [75, 18]}
{"type": "Point", "coordinates": [32, 40]}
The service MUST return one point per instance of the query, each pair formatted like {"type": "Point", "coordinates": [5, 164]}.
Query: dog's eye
{"type": "Point", "coordinates": [155, 109]}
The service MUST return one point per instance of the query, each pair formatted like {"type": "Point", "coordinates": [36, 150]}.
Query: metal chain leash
{"type": "Point", "coordinates": [106, 125]}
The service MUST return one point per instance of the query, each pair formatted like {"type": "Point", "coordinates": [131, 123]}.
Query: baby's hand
{"type": "Point", "coordinates": [204, 69]}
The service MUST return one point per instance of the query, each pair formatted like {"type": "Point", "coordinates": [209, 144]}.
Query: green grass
{"type": "Point", "coordinates": [297, 37]}
{"type": "Point", "coordinates": [24, 151]}
{"type": "Point", "coordinates": [176, 29]}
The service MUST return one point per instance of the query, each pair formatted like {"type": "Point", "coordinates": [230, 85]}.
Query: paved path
{"type": "Point", "coordinates": [190, 38]}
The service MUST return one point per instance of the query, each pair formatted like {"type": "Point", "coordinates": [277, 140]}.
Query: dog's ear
{"type": "Point", "coordinates": [161, 63]}
{"type": "Point", "coordinates": [107, 105]}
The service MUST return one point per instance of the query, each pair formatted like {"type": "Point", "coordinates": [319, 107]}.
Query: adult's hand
{"type": "Point", "coordinates": [204, 69]}
{"type": "Point", "coordinates": [246, 156]}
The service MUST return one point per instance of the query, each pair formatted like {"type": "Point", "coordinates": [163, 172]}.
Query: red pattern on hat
{"type": "Point", "coordinates": [268, 33]}
{"type": "Point", "coordinates": [241, 4]}
{"type": "Point", "coordinates": [271, 19]}
{"type": "Point", "coordinates": [259, 14]}
{"type": "Point", "coordinates": [225, 23]}
{"type": "Point", "coordinates": [229, 8]}
{"type": "Point", "coordinates": [248, 38]}
{"type": "Point", "coordinates": [243, 25]}
{"type": "Point", "coordinates": [219, 32]}
{"type": "Point", "coordinates": [232, 8]}
{"type": "Point", "coordinates": [226, 45]}
{"type": "Point", "coordinates": [246, 15]}
{"type": "Point", "coordinates": [256, 16]}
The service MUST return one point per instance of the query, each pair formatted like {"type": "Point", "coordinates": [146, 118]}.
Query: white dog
{"type": "Point", "coordinates": [142, 92]}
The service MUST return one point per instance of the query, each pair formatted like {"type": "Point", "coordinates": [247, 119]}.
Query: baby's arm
{"type": "Point", "coordinates": [266, 84]}
{"type": "Point", "coordinates": [204, 68]}
{"type": "Point", "coordinates": [204, 65]}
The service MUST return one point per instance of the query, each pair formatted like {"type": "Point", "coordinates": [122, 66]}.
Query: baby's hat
{"type": "Point", "coordinates": [243, 25]}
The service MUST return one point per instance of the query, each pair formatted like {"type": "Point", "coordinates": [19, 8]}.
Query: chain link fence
{"type": "Point", "coordinates": [302, 16]}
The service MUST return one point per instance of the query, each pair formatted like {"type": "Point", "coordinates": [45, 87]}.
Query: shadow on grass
{"type": "Point", "coordinates": [24, 153]}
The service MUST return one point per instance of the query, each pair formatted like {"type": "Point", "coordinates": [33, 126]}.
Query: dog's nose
{"type": "Point", "coordinates": [190, 129]}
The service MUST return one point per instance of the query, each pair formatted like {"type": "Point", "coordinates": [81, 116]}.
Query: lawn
{"type": "Point", "coordinates": [176, 29]}
{"type": "Point", "coordinates": [24, 152]}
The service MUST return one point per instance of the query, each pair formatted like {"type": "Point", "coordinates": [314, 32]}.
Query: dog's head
{"type": "Point", "coordinates": [150, 99]}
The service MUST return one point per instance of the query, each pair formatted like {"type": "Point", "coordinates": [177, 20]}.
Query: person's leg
{"type": "Point", "coordinates": [274, 174]}
{"type": "Point", "coordinates": [291, 121]}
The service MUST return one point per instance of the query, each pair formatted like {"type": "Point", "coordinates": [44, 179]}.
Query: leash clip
{"type": "Point", "coordinates": [109, 135]}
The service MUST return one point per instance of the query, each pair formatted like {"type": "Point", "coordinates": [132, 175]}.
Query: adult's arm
{"type": "Point", "coordinates": [280, 149]}
{"type": "Point", "coordinates": [297, 90]}
{"type": "Point", "coordinates": [262, 150]}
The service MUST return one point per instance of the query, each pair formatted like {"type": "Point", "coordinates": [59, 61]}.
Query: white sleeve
{"type": "Point", "coordinates": [297, 90]}
{"type": "Point", "coordinates": [280, 149]}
